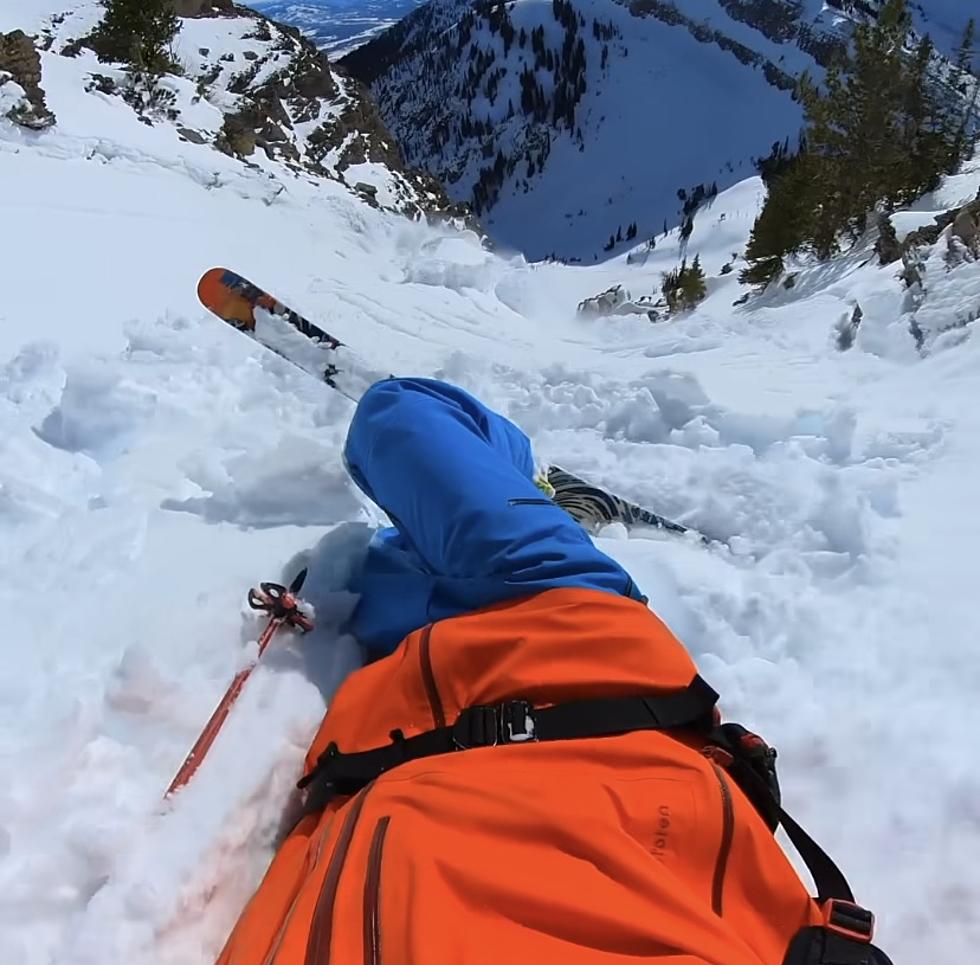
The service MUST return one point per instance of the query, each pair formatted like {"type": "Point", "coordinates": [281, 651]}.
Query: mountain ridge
{"type": "Point", "coordinates": [493, 100]}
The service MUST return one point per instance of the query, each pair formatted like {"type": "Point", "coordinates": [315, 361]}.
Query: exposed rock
{"type": "Point", "coordinates": [74, 47]}
{"type": "Point", "coordinates": [789, 282]}
{"type": "Point", "coordinates": [847, 328]}
{"type": "Point", "coordinates": [618, 301]}
{"type": "Point", "coordinates": [272, 133]}
{"type": "Point", "coordinates": [299, 109]}
{"type": "Point", "coordinates": [965, 222]}
{"type": "Point", "coordinates": [195, 137]}
{"type": "Point", "coordinates": [368, 189]}
{"type": "Point", "coordinates": [887, 247]}
{"type": "Point", "coordinates": [966, 227]}
{"type": "Point", "coordinates": [911, 270]}
{"type": "Point", "coordinates": [19, 58]}
{"type": "Point", "coordinates": [237, 136]}
{"type": "Point", "coordinates": [101, 83]}
{"type": "Point", "coordinates": [311, 74]}
{"type": "Point", "coordinates": [360, 135]}
{"type": "Point", "coordinates": [929, 234]}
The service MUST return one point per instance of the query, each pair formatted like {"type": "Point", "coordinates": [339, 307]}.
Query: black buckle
{"type": "Point", "coordinates": [517, 722]}
{"type": "Point", "coordinates": [511, 722]}
{"type": "Point", "coordinates": [848, 919]}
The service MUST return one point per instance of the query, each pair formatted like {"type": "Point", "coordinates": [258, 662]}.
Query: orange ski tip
{"type": "Point", "coordinates": [219, 297]}
{"type": "Point", "coordinates": [209, 281]}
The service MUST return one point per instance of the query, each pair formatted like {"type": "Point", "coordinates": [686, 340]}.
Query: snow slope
{"type": "Point", "coordinates": [154, 464]}
{"type": "Point", "coordinates": [248, 87]}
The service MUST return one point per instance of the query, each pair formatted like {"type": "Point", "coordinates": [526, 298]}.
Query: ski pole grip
{"type": "Point", "coordinates": [267, 597]}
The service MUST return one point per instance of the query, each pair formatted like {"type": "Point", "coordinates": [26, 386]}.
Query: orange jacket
{"type": "Point", "coordinates": [605, 850]}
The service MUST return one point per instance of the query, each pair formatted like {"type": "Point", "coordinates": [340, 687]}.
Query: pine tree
{"type": "Point", "coordinates": [139, 33]}
{"type": "Point", "coordinates": [964, 52]}
{"type": "Point", "coordinates": [684, 287]}
{"type": "Point", "coordinates": [787, 218]}
{"type": "Point", "coordinates": [879, 133]}
{"type": "Point", "coordinates": [970, 87]}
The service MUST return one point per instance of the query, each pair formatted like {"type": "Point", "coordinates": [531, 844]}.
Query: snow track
{"type": "Point", "coordinates": [154, 464]}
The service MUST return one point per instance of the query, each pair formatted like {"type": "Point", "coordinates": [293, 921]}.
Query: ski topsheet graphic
{"type": "Point", "coordinates": [266, 320]}
{"type": "Point", "coordinates": [594, 507]}
{"type": "Point", "coordinates": [255, 313]}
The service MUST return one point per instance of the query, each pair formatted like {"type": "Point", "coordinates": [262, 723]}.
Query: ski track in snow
{"type": "Point", "coordinates": [154, 464]}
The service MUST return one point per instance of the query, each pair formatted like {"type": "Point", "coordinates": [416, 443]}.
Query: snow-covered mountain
{"type": "Point", "coordinates": [338, 26]}
{"type": "Point", "coordinates": [574, 126]}
{"type": "Point", "coordinates": [256, 91]}
{"type": "Point", "coordinates": [154, 464]}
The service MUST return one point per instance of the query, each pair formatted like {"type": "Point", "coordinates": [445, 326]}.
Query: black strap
{"type": "Point", "coordinates": [514, 722]}
{"type": "Point", "coordinates": [829, 879]}
{"type": "Point", "coordinates": [517, 721]}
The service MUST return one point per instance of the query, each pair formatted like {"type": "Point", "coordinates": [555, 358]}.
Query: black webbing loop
{"type": "Point", "coordinates": [829, 879]}
{"type": "Point", "coordinates": [517, 721]}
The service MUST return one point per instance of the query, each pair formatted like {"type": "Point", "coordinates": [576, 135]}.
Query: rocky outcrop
{"type": "Point", "coordinates": [20, 61]}
{"type": "Point", "coordinates": [847, 328]}
{"type": "Point", "coordinates": [966, 228]}
{"type": "Point", "coordinates": [270, 90]}
{"type": "Point", "coordinates": [887, 247]}
{"type": "Point", "coordinates": [310, 115]}
{"type": "Point", "coordinates": [617, 301]}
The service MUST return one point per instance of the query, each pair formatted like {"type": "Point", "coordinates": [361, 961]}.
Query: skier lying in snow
{"type": "Point", "coordinates": [532, 771]}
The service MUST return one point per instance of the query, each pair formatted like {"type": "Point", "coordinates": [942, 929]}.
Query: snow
{"type": "Point", "coordinates": [12, 95]}
{"type": "Point", "coordinates": [154, 464]}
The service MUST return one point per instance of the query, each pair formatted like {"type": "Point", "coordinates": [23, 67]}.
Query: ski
{"type": "Point", "coordinates": [594, 507]}
{"type": "Point", "coordinates": [263, 318]}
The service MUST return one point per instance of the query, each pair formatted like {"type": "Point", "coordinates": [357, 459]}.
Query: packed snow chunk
{"type": "Point", "coordinates": [457, 263]}
{"type": "Point", "coordinates": [100, 413]}
{"type": "Point", "coordinates": [638, 419]}
{"type": "Point", "coordinates": [950, 297]}
{"type": "Point", "coordinates": [616, 301]}
{"type": "Point", "coordinates": [137, 685]}
{"type": "Point", "coordinates": [605, 303]}
{"type": "Point", "coordinates": [298, 482]}
{"type": "Point", "coordinates": [33, 376]}
{"type": "Point", "coordinates": [13, 97]}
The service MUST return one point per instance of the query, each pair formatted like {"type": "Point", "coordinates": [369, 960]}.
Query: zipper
{"type": "Point", "coordinates": [429, 679]}
{"type": "Point", "coordinates": [312, 857]}
{"type": "Point", "coordinates": [372, 895]}
{"type": "Point", "coordinates": [727, 834]}
{"type": "Point", "coordinates": [321, 928]}
{"type": "Point", "coordinates": [525, 501]}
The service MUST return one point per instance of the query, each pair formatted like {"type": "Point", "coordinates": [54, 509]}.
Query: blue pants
{"type": "Point", "coordinates": [471, 527]}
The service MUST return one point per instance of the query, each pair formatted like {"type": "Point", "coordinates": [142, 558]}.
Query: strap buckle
{"type": "Point", "coordinates": [848, 919]}
{"type": "Point", "coordinates": [517, 722]}
{"type": "Point", "coordinates": [511, 722]}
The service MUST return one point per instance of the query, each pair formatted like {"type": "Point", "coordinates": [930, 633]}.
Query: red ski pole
{"type": "Point", "coordinates": [283, 608]}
